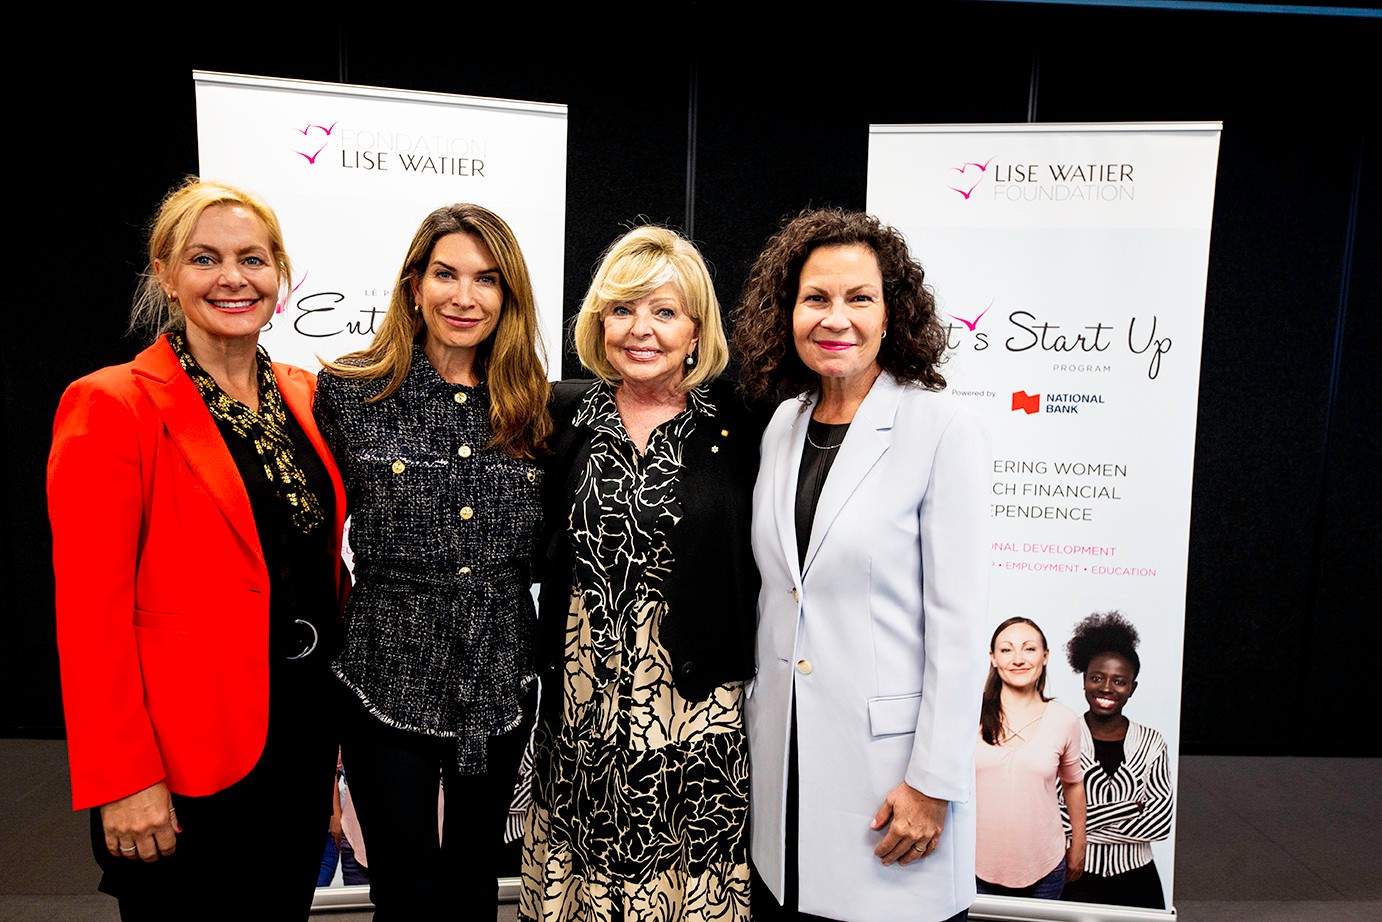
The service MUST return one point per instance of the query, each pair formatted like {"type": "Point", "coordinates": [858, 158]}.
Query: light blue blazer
{"type": "Point", "coordinates": [880, 639]}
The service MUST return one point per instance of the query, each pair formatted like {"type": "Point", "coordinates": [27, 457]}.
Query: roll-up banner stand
{"type": "Point", "coordinates": [1069, 266]}
{"type": "Point", "coordinates": [351, 171]}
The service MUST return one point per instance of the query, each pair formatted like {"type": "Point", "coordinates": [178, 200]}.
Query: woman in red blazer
{"type": "Point", "coordinates": [197, 520]}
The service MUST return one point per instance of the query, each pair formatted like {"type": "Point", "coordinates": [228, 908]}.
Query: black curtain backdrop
{"type": "Point", "coordinates": [721, 119]}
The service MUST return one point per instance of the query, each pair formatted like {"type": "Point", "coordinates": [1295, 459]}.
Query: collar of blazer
{"type": "Point", "coordinates": [870, 434]}
{"type": "Point", "coordinates": [193, 432]}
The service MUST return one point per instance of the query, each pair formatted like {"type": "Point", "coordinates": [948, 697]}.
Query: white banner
{"type": "Point", "coordinates": [1069, 263]}
{"type": "Point", "coordinates": [352, 171]}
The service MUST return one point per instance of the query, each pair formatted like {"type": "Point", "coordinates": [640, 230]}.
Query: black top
{"type": "Point", "coordinates": [302, 577]}
{"type": "Point", "coordinates": [823, 441]}
{"type": "Point", "coordinates": [292, 500]}
{"type": "Point", "coordinates": [1109, 755]}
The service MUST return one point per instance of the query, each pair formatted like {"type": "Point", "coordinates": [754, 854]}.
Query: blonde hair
{"type": "Point", "coordinates": [509, 360]}
{"type": "Point", "coordinates": [169, 233]}
{"type": "Point", "coordinates": [636, 264]}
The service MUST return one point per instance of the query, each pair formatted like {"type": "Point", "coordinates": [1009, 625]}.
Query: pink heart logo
{"type": "Point", "coordinates": [966, 186]}
{"type": "Point", "coordinates": [971, 324]}
{"type": "Point", "coordinates": [279, 308]}
{"type": "Point", "coordinates": [314, 139]}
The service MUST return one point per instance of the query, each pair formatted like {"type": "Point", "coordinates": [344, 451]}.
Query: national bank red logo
{"type": "Point", "coordinates": [1055, 402]}
{"type": "Point", "coordinates": [314, 140]}
{"type": "Point", "coordinates": [967, 177]}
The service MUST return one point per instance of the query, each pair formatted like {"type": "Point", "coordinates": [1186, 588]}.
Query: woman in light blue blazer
{"type": "Point", "coordinates": [870, 532]}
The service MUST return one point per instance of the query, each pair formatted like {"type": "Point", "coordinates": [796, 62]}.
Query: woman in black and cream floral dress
{"type": "Point", "coordinates": [640, 786]}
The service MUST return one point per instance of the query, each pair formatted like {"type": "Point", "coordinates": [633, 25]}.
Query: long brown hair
{"type": "Point", "coordinates": [991, 712]}
{"type": "Point", "coordinates": [509, 361]}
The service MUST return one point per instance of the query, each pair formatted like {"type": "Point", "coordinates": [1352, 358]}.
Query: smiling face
{"type": "Point", "coordinates": [1019, 655]}
{"type": "Point", "coordinates": [225, 279]}
{"type": "Point", "coordinates": [1109, 682]}
{"type": "Point", "coordinates": [840, 318]}
{"type": "Point", "coordinates": [647, 340]}
{"type": "Point", "coordinates": [460, 296]}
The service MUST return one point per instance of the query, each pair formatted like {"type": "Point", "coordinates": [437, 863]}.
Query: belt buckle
{"type": "Point", "coordinates": [309, 645]}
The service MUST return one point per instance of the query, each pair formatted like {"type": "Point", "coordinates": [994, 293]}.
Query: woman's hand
{"type": "Point", "coordinates": [915, 823]}
{"type": "Point", "coordinates": [143, 826]}
{"type": "Point", "coordinates": [334, 825]}
{"type": "Point", "coordinates": [1075, 806]}
{"type": "Point", "coordinates": [1074, 860]}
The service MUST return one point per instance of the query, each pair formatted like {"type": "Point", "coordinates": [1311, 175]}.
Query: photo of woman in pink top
{"type": "Point", "coordinates": [1028, 743]}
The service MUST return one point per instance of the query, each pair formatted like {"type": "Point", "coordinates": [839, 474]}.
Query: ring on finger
{"type": "Point", "coordinates": [132, 848]}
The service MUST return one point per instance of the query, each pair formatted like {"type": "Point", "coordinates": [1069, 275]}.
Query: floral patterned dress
{"type": "Point", "coordinates": [640, 796]}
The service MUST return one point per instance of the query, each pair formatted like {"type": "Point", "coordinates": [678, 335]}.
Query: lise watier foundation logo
{"type": "Point", "coordinates": [967, 177]}
{"type": "Point", "coordinates": [1054, 403]}
{"type": "Point", "coordinates": [314, 140]}
{"type": "Point", "coordinates": [345, 146]}
{"type": "Point", "coordinates": [1004, 181]}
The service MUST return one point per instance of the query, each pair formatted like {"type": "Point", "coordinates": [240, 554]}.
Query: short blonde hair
{"type": "Point", "coordinates": [635, 265]}
{"type": "Point", "coordinates": [169, 234]}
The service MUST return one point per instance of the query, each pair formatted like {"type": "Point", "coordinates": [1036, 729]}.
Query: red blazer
{"type": "Point", "coordinates": [162, 589]}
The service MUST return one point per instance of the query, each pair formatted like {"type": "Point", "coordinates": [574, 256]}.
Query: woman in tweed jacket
{"type": "Point", "coordinates": [437, 427]}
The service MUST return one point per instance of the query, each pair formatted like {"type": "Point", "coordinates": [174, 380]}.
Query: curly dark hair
{"type": "Point", "coordinates": [1103, 632]}
{"type": "Point", "coordinates": [767, 357]}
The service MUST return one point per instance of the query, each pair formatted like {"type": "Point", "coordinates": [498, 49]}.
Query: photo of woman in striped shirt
{"type": "Point", "coordinates": [1127, 771]}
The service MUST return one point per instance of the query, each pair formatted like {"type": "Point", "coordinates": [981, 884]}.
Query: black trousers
{"type": "Point", "coordinates": [1138, 887]}
{"type": "Point", "coordinates": [394, 777]}
{"type": "Point", "coordinates": [262, 837]}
